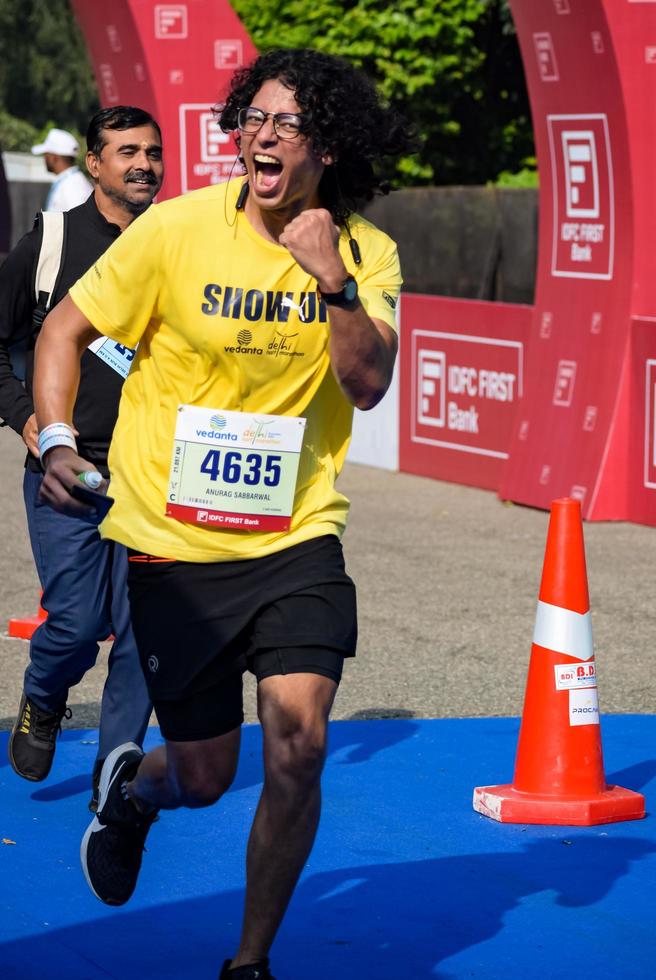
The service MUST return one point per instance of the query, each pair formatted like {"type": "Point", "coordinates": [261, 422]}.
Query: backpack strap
{"type": "Point", "coordinates": [49, 263]}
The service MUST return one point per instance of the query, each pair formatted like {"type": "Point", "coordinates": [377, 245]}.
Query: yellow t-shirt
{"type": "Point", "coordinates": [226, 320]}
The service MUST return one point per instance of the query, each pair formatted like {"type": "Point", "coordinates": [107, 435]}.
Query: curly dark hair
{"type": "Point", "coordinates": [345, 118]}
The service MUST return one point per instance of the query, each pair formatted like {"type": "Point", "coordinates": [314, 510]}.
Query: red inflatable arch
{"type": "Point", "coordinates": [586, 425]}
{"type": "Point", "coordinates": [559, 399]}
{"type": "Point", "coordinates": [174, 60]}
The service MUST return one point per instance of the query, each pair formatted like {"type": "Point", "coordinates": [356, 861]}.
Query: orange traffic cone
{"type": "Point", "coordinates": [22, 629]}
{"type": "Point", "coordinates": [559, 772]}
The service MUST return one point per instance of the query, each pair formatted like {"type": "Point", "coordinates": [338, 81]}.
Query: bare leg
{"type": "Point", "coordinates": [192, 774]}
{"type": "Point", "coordinates": [294, 711]}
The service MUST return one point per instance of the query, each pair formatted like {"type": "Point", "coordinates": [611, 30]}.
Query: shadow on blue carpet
{"type": "Point", "coordinates": [405, 880]}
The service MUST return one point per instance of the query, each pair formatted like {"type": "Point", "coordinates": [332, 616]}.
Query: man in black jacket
{"type": "Point", "coordinates": [83, 577]}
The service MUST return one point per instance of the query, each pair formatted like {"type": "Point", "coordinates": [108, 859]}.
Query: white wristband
{"type": "Point", "coordinates": [56, 434]}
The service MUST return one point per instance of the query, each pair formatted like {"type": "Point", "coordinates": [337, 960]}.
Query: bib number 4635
{"type": "Point", "coordinates": [230, 466]}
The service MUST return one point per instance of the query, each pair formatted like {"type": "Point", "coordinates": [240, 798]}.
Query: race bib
{"type": "Point", "coordinates": [234, 469]}
{"type": "Point", "coordinates": [117, 356]}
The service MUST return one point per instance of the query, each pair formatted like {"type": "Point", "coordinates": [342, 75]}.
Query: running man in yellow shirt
{"type": "Point", "coordinates": [263, 310]}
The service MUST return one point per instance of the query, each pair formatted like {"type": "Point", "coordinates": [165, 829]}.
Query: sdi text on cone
{"type": "Point", "coordinates": [559, 771]}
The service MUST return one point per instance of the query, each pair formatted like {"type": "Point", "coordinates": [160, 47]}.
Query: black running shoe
{"type": "Point", "coordinates": [95, 785]}
{"type": "Point", "coordinates": [33, 739]}
{"type": "Point", "coordinates": [253, 971]}
{"type": "Point", "coordinates": [114, 841]}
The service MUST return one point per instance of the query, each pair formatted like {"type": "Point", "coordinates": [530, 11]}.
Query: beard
{"type": "Point", "coordinates": [121, 196]}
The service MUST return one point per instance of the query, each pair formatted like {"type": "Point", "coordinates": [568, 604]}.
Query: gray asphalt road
{"type": "Point", "coordinates": [448, 579]}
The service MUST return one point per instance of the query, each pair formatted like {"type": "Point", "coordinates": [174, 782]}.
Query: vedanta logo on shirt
{"type": "Point", "coordinates": [244, 338]}
{"type": "Point", "coordinates": [233, 302]}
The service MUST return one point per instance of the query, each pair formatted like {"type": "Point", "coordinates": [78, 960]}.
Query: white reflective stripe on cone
{"type": "Point", "coordinates": [563, 631]}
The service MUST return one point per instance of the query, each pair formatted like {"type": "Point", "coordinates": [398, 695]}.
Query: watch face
{"type": "Point", "coordinates": [350, 290]}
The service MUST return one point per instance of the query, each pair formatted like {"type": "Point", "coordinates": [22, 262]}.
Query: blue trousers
{"type": "Point", "coordinates": [84, 582]}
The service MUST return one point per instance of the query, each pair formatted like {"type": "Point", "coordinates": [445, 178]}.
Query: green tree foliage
{"type": "Point", "coordinates": [452, 66]}
{"type": "Point", "coordinates": [44, 71]}
{"type": "Point", "coordinates": [16, 134]}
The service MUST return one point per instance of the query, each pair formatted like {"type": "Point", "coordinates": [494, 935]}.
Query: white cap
{"type": "Point", "coordinates": [57, 141]}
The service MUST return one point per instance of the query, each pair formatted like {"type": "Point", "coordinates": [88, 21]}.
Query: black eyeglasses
{"type": "Point", "coordinates": [286, 125]}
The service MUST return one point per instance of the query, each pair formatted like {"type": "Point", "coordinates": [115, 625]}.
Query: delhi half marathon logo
{"type": "Point", "coordinates": [283, 345]}
{"type": "Point", "coordinates": [260, 433]}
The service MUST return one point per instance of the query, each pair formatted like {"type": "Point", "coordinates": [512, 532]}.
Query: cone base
{"type": "Point", "coordinates": [508, 805]}
{"type": "Point", "coordinates": [22, 629]}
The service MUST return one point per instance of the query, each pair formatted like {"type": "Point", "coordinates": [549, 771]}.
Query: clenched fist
{"type": "Point", "coordinates": [311, 238]}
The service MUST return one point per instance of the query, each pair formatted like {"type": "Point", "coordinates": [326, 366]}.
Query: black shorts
{"type": "Point", "coordinates": [198, 626]}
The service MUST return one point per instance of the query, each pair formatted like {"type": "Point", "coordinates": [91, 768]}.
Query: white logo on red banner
{"type": "Point", "coordinates": [114, 38]}
{"type": "Point", "coordinates": [171, 23]}
{"type": "Point", "coordinates": [562, 6]}
{"type": "Point", "coordinates": [431, 381]}
{"type": "Point", "coordinates": [464, 391]}
{"type": "Point", "coordinates": [228, 54]}
{"type": "Point", "coordinates": [546, 57]}
{"type": "Point", "coordinates": [176, 76]}
{"type": "Point", "coordinates": [139, 72]}
{"type": "Point", "coordinates": [650, 54]}
{"type": "Point", "coordinates": [650, 425]}
{"type": "Point", "coordinates": [564, 386]}
{"type": "Point", "coordinates": [545, 326]}
{"type": "Point", "coordinates": [597, 42]}
{"type": "Point", "coordinates": [108, 82]}
{"type": "Point", "coordinates": [578, 492]}
{"type": "Point", "coordinates": [595, 323]}
{"type": "Point", "coordinates": [545, 474]}
{"type": "Point", "coordinates": [584, 209]}
{"type": "Point", "coordinates": [590, 418]}
{"type": "Point", "coordinates": [207, 154]}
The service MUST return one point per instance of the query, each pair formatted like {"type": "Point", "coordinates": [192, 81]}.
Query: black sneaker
{"type": "Point", "coordinates": [114, 841]}
{"type": "Point", "coordinates": [252, 971]}
{"type": "Point", "coordinates": [33, 739]}
{"type": "Point", "coordinates": [95, 785]}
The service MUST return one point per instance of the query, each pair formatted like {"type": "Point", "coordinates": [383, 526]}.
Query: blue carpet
{"type": "Point", "coordinates": [405, 880]}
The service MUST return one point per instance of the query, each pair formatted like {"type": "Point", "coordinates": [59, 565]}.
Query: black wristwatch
{"type": "Point", "coordinates": [347, 294]}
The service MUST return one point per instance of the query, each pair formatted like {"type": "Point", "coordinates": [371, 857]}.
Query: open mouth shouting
{"type": "Point", "coordinates": [268, 171]}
